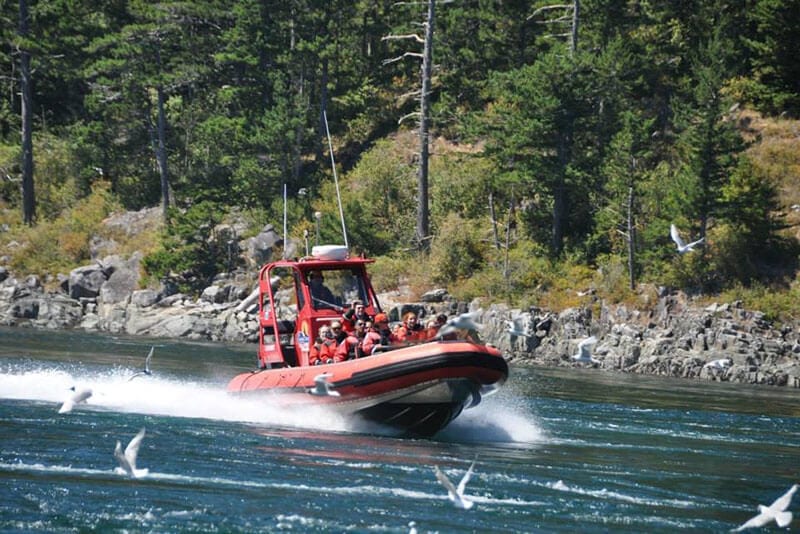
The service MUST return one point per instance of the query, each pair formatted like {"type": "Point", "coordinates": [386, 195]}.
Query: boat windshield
{"type": "Point", "coordinates": [335, 288]}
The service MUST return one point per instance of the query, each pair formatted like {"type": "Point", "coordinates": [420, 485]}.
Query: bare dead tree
{"type": "Point", "coordinates": [423, 224]}
{"type": "Point", "coordinates": [26, 116]}
{"type": "Point", "coordinates": [423, 227]}
{"type": "Point", "coordinates": [570, 15]}
{"type": "Point", "coordinates": [493, 217]}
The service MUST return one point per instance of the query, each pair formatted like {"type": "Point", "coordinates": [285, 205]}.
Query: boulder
{"type": "Point", "coordinates": [119, 286]}
{"type": "Point", "coordinates": [258, 249]}
{"type": "Point", "coordinates": [86, 281]}
{"type": "Point", "coordinates": [144, 298]}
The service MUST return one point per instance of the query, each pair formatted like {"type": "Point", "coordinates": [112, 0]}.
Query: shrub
{"type": "Point", "coordinates": [188, 254]}
{"type": "Point", "coordinates": [62, 243]}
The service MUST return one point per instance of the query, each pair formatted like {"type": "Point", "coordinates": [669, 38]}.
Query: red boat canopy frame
{"type": "Point", "coordinates": [292, 308]}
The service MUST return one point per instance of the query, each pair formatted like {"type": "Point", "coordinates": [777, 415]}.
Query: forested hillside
{"type": "Point", "coordinates": [564, 140]}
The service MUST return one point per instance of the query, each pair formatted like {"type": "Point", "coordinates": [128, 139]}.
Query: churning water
{"type": "Point", "coordinates": [557, 450]}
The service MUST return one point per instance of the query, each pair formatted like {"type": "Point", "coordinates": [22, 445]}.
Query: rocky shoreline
{"type": "Point", "coordinates": [674, 339]}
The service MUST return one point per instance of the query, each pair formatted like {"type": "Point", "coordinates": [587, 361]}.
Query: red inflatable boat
{"type": "Point", "coordinates": [416, 389]}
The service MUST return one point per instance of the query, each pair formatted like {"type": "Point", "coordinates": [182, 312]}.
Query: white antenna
{"type": "Point", "coordinates": [335, 178]}
{"type": "Point", "coordinates": [285, 243]}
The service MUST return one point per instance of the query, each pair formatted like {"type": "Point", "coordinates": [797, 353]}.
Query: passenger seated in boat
{"type": "Point", "coordinates": [441, 319]}
{"type": "Point", "coordinates": [431, 329]}
{"type": "Point", "coordinates": [372, 339]}
{"type": "Point", "coordinates": [321, 296]}
{"type": "Point", "coordinates": [356, 312]}
{"type": "Point", "coordinates": [410, 331]}
{"type": "Point", "coordinates": [350, 348]}
{"type": "Point", "coordinates": [378, 338]}
{"type": "Point", "coordinates": [323, 348]}
{"type": "Point", "coordinates": [338, 332]}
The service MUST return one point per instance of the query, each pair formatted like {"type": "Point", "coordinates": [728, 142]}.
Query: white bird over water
{"type": "Point", "coordinates": [775, 511]}
{"type": "Point", "coordinates": [683, 247]}
{"type": "Point", "coordinates": [78, 396]}
{"type": "Point", "coordinates": [465, 321]}
{"type": "Point", "coordinates": [323, 387]}
{"type": "Point", "coordinates": [146, 370]}
{"type": "Point", "coordinates": [584, 354]}
{"type": "Point", "coordinates": [456, 494]}
{"type": "Point", "coordinates": [127, 460]}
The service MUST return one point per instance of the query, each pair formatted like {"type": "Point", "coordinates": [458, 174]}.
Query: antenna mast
{"type": "Point", "coordinates": [285, 244]}
{"type": "Point", "coordinates": [335, 178]}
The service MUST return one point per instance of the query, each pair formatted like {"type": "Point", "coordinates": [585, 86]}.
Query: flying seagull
{"type": "Point", "coordinates": [127, 460]}
{"type": "Point", "coordinates": [584, 354]}
{"type": "Point", "coordinates": [682, 246]}
{"type": "Point", "coordinates": [456, 494]}
{"type": "Point", "coordinates": [465, 321]}
{"type": "Point", "coordinates": [775, 511]}
{"type": "Point", "coordinates": [322, 387]}
{"type": "Point", "coordinates": [146, 370]}
{"type": "Point", "coordinates": [516, 327]}
{"type": "Point", "coordinates": [78, 396]}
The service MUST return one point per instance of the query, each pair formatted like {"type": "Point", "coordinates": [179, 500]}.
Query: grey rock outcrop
{"type": "Point", "coordinates": [674, 338]}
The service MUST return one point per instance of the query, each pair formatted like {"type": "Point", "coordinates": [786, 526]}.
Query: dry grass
{"type": "Point", "coordinates": [775, 153]}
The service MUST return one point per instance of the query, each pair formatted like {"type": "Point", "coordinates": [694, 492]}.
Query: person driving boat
{"type": "Point", "coordinates": [320, 294]}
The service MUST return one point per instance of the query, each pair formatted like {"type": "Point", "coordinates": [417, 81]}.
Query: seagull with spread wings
{"type": "Point", "coordinates": [775, 511]}
{"type": "Point", "coordinates": [465, 321]}
{"type": "Point", "coordinates": [584, 354]}
{"type": "Point", "coordinates": [456, 494]}
{"type": "Point", "coordinates": [146, 370]}
{"type": "Point", "coordinates": [78, 396]}
{"type": "Point", "coordinates": [127, 459]}
{"type": "Point", "coordinates": [683, 247]}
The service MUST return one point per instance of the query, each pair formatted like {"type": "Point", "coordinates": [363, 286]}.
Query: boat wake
{"type": "Point", "coordinates": [114, 391]}
{"type": "Point", "coordinates": [495, 420]}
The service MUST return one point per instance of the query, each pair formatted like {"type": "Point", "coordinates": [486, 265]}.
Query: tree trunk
{"type": "Point", "coordinates": [631, 240]}
{"type": "Point", "coordinates": [161, 154]}
{"type": "Point", "coordinates": [559, 214]}
{"type": "Point", "coordinates": [423, 230]}
{"type": "Point", "coordinates": [26, 116]}
{"type": "Point", "coordinates": [576, 9]}
{"type": "Point", "coordinates": [495, 236]}
{"type": "Point", "coordinates": [323, 104]}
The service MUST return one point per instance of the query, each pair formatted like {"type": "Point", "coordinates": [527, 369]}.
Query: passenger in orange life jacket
{"type": "Point", "coordinates": [356, 312]}
{"type": "Point", "coordinates": [350, 348]}
{"type": "Point", "coordinates": [431, 329]}
{"type": "Point", "coordinates": [410, 331]}
{"type": "Point", "coordinates": [373, 338]}
{"type": "Point", "coordinates": [338, 332]}
{"type": "Point", "coordinates": [441, 319]}
{"type": "Point", "coordinates": [379, 337]}
{"type": "Point", "coordinates": [323, 349]}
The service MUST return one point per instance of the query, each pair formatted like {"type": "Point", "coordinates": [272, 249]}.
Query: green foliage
{"type": "Point", "coordinates": [778, 303]}
{"type": "Point", "coordinates": [61, 243]}
{"type": "Point", "coordinates": [377, 197]}
{"type": "Point", "coordinates": [457, 251]}
{"type": "Point", "coordinates": [389, 270]}
{"type": "Point", "coordinates": [645, 104]}
{"type": "Point", "coordinates": [772, 85]}
{"type": "Point", "coordinates": [189, 254]}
